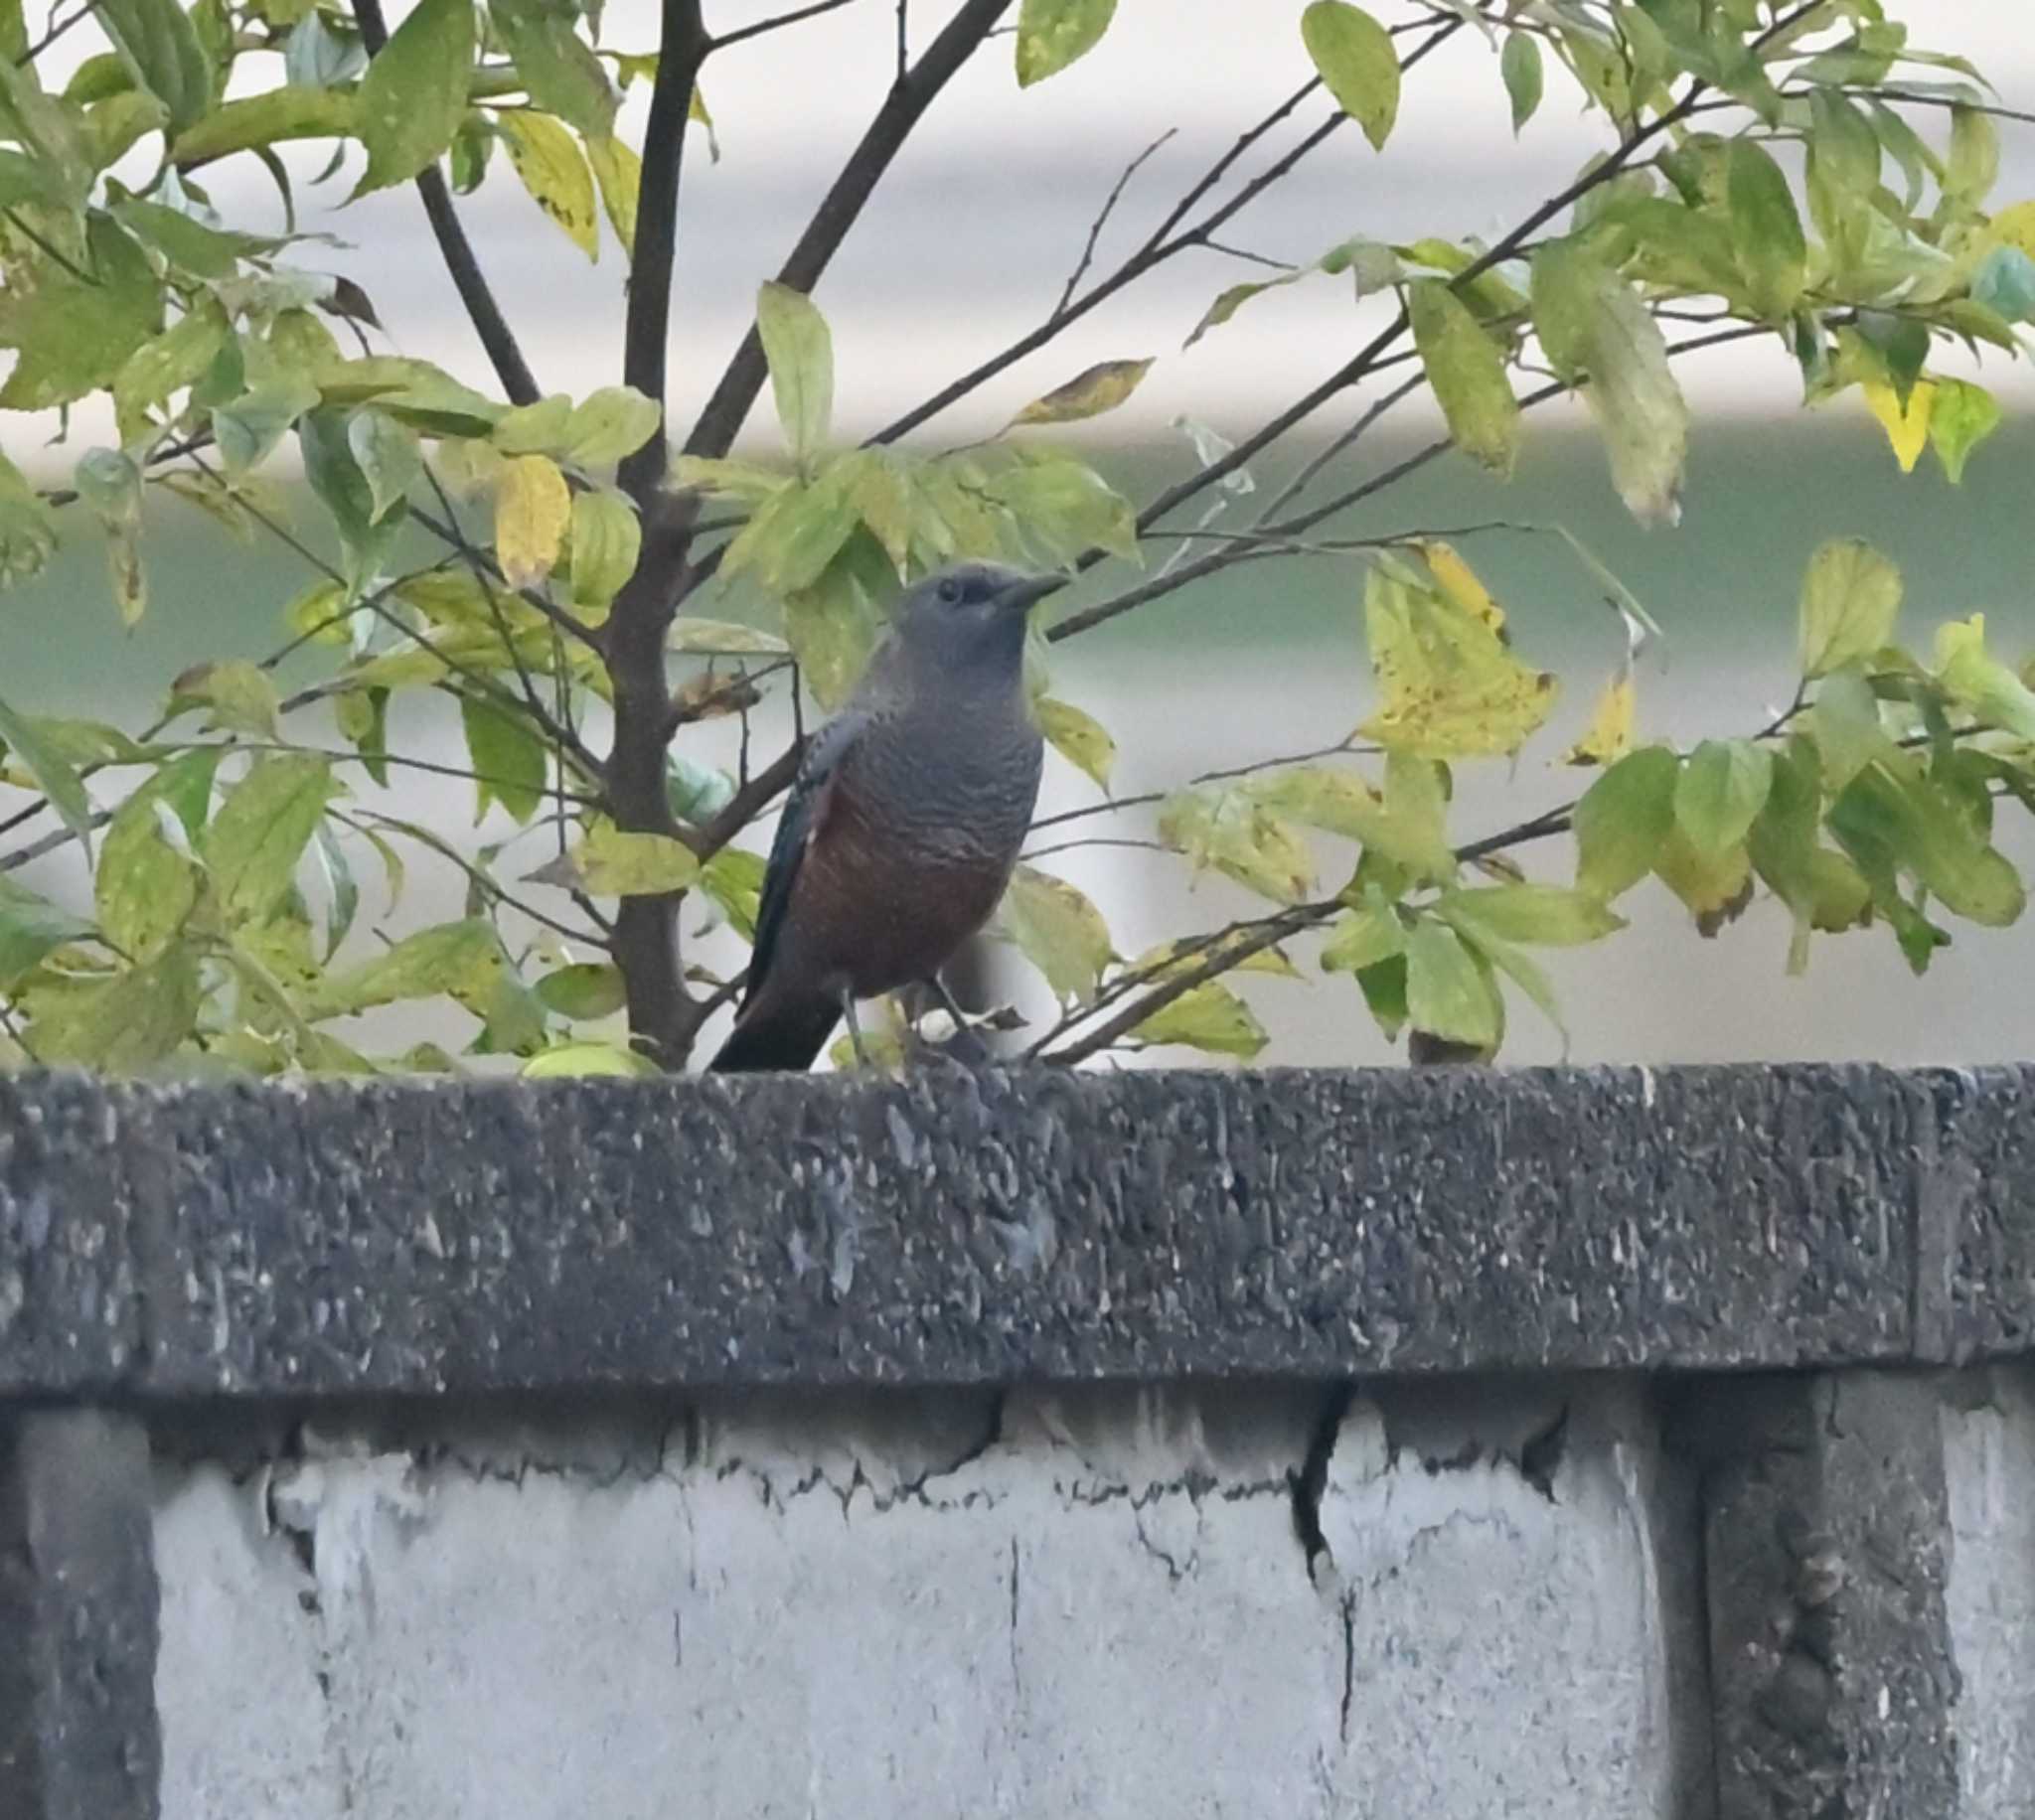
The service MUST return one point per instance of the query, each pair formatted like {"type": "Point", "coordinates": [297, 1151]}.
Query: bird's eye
{"type": "Point", "coordinates": [950, 592]}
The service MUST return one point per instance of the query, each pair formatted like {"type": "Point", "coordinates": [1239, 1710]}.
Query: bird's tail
{"type": "Point", "coordinates": [777, 1037]}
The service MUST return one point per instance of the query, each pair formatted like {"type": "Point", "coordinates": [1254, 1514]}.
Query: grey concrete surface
{"type": "Point", "coordinates": [1091, 1603]}
{"type": "Point", "coordinates": [79, 1732]}
{"type": "Point", "coordinates": [973, 1229]}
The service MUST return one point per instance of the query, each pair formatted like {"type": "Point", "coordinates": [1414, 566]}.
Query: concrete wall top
{"type": "Point", "coordinates": [957, 1229]}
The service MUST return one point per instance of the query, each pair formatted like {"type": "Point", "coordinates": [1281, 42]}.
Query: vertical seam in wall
{"type": "Point", "coordinates": [1936, 1208]}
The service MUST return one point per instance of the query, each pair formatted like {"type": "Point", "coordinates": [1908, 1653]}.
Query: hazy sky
{"type": "Point", "coordinates": [985, 212]}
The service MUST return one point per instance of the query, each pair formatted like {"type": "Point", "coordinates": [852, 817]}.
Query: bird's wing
{"type": "Point", "coordinates": [805, 811]}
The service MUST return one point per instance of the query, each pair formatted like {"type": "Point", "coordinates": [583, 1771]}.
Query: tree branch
{"type": "Point", "coordinates": [777, 23]}
{"type": "Point", "coordinates": [1095, 228]}
{"type": "Point", "coordinates": [453, 245]}
{"type": "Point", "coordinates": [723, 419]}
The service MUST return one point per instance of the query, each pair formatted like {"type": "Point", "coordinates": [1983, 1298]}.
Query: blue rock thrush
{"type": "Point", "coordinates": [905, 820]}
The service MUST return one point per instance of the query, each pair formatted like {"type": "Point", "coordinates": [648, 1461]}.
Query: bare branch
{"type": "Point", "coordinates": [726, 38]}
{"type": "Point", "coordinates": [56, 31]}
{"type": "Point", "coordinates": [1101, 221]}
{"type": "Point", "coordinates": [908, 100]}
{"type": "Point", "coordinates": [457, 250]}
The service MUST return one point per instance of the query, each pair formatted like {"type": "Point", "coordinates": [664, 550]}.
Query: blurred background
{"type": "Point", "coordinates": [964, 249]}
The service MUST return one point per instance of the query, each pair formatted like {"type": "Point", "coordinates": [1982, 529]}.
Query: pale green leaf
{"type": "Point", "coordinates": [1525, 79]}
{"type": "Point", "coordinates": [1766, 232]}
{"type": "Point", "coordinates": [1466, 369]}
{"type": "Point", "coordinates": [574, 1061]}
{"type": "Point", "coordinates": [1052, 34]}
{"type": "Point", "coordinates": [1447, 995]}
{"type": "Point", "coordinates": [606, 538]}
{"type": "Point", "coordinates": [1721, 789]}
{"type": "Point", "coordinates": [800, 352]}
{"type": "Point", "coordinates": [413, 97]}
{"type": "Point", "coordinates": [1210, 1018]}
{"type": "Point", "coordinates": [559, 71]}
{"type": "Point", "coordinates": [263, 824]}
{"type": "Point", "coordinates": [609, 862]}
{"type": "Point", "coordinates": [1540, 916]}
{"type": "Point", "coordinates": [1850, 599]}
{"type": "Point", "coordinates": [608, 424]}
{"type": "Point", "coordinates": [1358, 63]}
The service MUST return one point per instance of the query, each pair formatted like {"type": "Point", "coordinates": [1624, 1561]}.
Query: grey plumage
{"type": "Point", "coordinates": [905, 820]}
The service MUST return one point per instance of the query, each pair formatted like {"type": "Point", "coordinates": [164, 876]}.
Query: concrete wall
{"type": "Point", "coordinates": [1666, 1562]}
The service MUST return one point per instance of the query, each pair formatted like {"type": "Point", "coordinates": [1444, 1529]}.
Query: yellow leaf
{"type": "Point", "coordinates": [2011, 226]}
{"type": "Point", "coordinates": [548, 161]}
{"type": "Point", "coordinates": [1609, 737]}
{"type": "Point", "coordinates": [1237, 835]}
{"type": "Point", "coordinates": [533, 507]}
{"type": "Point", "coordinates": [1450, 688]}
{"type": "Point", "coordinates": [1076, 737]}
{"type": "Point", "coordinates": [1087, 394]}
{"type": "Point", "coordinates": [1459, 582]}
{"type": "Point", "coordinates": [620, 173]}
{"type": "Point", "coordinates": [1907, 430]}
{"type": "Point", "coordinates": [612, 863]}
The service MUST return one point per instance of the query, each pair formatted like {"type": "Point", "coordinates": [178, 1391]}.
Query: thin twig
{"type": "Point", "coordinates": [447, 532]}
{"type": "Point", "coordinates": [1101, 221]}
{"type": "Point", "coordinates": [54, 33]}
{"type": "Point", "coordinates": [504, 355]}
{"type": "Point", "coordinates": [902, 107]}
{"type": "Point", "coordinates": [726, 38]}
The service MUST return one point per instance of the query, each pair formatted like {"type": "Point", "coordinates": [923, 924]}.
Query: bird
{"type": "Point", "coordinates": [905, 820]}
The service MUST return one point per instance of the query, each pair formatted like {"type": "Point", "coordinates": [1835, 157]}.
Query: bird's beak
{"type": "Point", "coordinates": [1021, 595]}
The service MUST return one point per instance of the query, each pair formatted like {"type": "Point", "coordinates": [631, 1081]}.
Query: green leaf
{"type": "Point", "coordinates": [145, 886]}
{"type": "Point", "coordinates": [1519, 63]}
{"type": "Point", "coordinates": [1362, 938]}
{"type": "Point", "coordinates": [462, 960]}
{"type": "Point", "coordinates": [1963, 416]}
{"type": "Point", "coordinates": [1850, 599]}
{"type": "Point", "coordinates": [261, 120]}
{"type": "Point", "coordinates": [260, 831]}
{"type": "Point", "coordinates": [1052, 34]}
{"type": "Point", "coordinates": [27, 535]}
{"type": "Point", "coordinates": [611, 863]}
{"type": "Point", "coordinates": [1058, 930]}
{"type": "Point", "coordinates": [831, 625]}
{"type": "Point", "coordinates": [31, 929]}
{"type": "Point", "coordinates": [607, 537]}
{"type": "Point", "coordinates": [509, 759]}
{"type": "Point", "coordinates": [1466, 369]}
{"type": "Point", "coordinates": [1447, 995]}
{"type": "Point", "coordinates": [1341, 803]}
{"type": "Point", "coordinates": [74, 337]}
{"type": "Point", "coordinates": [559, 68]}
{"type": "Point", "coordinates": [1766, 232]}
{"type": "Point", "coordinates": [574, 1061]}
{"type": "Point", "coordinates": [386, 453]}
{"type": "Point", "coordinates": [548, 161]}
{"type": "Point", "coordinates": [241, 695]}
{"type": "Point", "coordinates": [1233, 831]}
{"type": "Point", "coordinates": [609, 424]}
{"type": "Point", "coordinates": [1067, 506]}
{"type": "Point", "coordinates": [1846, 723]}
{"type": "Point", "coordinates": [252, 426]}
{"type": "Point", "coordinates": [1090, 392]}
{"type": "Point", "coordinates": [108, 485]}
{"type": "Point", "coordinates": [1889, 814]}
{"type": "Point", "coordinates": [160, 45]}
{"type": "Point", "coordinates": [204, 251]}
{"type": "Point", "coordinates": [413, 97]}
{"type": "Point", "coordinates": [127, 1022]}
{"type": "Point", "coordinates": [1076, 737]}
{"type": "Point", "coordinates": [365, 533]}
{"type": "Point", "coordinates": [1355, 59]}
{"type": "Point", "coordinates": [169, 362]}
{"type": "Point", "coordinates": [1210, 1018]}
{"type": "Point", "coordinates": [1541, 916]}
{"type": "Point", "coordinates": [52, 772]}
{"type": "Point", "coordinates": [1623, 820]}
{"type": "Point", "coordinates": [733, 878]}
{"type": "Point", "coordinates": [799, 350]}
{"type": "Point", "coordinates": [1974, 164]}
{"type": "Point", "coordinates": [1597, 332]}
{"type": "Point", "coordinates": [1721, 789]}
{"type": "Point", "coordinates": [587, 989]}
{"type": "Point", "coordinates": [1980, 683]}
{"type": "Point", "coordinates": [533, 429]}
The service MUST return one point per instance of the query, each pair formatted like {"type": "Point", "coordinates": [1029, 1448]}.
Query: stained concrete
{"type": "Point", "coordinates": [1096, 1603]}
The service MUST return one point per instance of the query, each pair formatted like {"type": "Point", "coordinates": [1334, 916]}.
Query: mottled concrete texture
{"type": "Point", "coordinates": [973, 1229]}
{"type": "Point", "coordinates": [1083, 1603]}
{"type": "Point", "coordinates": [78, 1738]}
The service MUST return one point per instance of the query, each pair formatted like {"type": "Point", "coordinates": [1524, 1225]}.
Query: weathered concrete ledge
{"type": "Point", "coordinates": [954, 1230]}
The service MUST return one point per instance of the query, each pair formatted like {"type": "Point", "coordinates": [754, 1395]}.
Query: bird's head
{"type": "Point", "coordinates": [972, 613]}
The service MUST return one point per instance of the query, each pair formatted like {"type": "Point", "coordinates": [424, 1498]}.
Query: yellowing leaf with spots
{"type": "Point", "coordinates": [612, 863]}
{"type": "Point", "coordinates": [1457, 580]}
{"type": "Point", "coordinates": [1907, 430]}
{"type": "Point", "coordinates": [619, 172]}
{"type": "Point", "coordinates": [1101, 388]}
{"type": "Point", "coordinates": [1077, 738]}
{"type": "Point", "coordinates": [1610, 734]}
{"type": "Point", "coordinates": [533, 507]}
{"type": "Point", "coordinates": [1232, 830]}
{"type": "Point", "coordinates": [554, 170]}
{"type": "Point", "coordinates": [1450, 688]}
